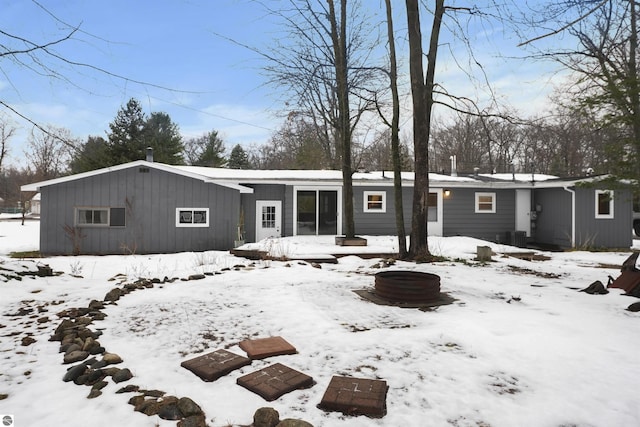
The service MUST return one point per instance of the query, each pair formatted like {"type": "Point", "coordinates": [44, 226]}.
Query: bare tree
{"type": "Point", "coordinates": [7, 131]}
{"type": "Point", "coordinates": [49, 155]}
{"type": "Point", "coordinates": [604, 65]}
{"type": "Point", "coordinates": [422, 88]}
{"type": "Point", "coordinates": [324, 66]}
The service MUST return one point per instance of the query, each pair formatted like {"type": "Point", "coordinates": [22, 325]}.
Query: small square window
{"type": "Point", "coordinates": [485, 202]}
{"type": "Point", "coordinates": [375, 201]}
{"type": "Point", "coordinates": [192, 217]}
{"type": "Point", "coordinates": [604, 204]}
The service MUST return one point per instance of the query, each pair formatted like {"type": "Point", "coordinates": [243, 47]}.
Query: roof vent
{"type": "Point", "coordinates": [149, 154]}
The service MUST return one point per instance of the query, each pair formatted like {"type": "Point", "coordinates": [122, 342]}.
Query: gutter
{"type": "Point", "coordinates": [573, 215]}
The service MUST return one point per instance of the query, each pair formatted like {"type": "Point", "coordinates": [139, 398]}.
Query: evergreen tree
{"type": "Point", "coordinates": [206, 150]}
{"type": "Point", "coordinates": [161, 134]}
{"type": "Point", "coordinates": [238, 158]}
{"type": "Point", "coordinates": [92, 155]}
{"type": "Point", "coordinates": [127, 139]}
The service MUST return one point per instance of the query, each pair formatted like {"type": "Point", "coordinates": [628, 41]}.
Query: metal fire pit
{"type": "Point", "coordinates": [407, 286]}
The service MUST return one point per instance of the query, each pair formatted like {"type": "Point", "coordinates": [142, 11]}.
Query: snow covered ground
{"type": "Point", "coordinates": [519, 347]}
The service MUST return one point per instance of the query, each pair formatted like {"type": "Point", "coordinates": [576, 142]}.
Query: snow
{"type": "Point", "coordinates": [519, 346]}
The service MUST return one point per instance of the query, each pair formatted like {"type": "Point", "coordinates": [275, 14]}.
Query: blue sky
{"type": "Point", "coordinates": [213, 83]}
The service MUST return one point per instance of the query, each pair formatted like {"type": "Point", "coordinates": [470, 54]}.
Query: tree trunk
{"type": "Point", "coordinates": [339, 40]}
{"type": "Point", "coordinates": [395, 136]}
{"type": "Point", "coordinates": [635, 86]}
{"type": "Point", "coordinates": [422, 96]}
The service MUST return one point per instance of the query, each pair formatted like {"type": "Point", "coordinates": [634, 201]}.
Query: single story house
{"type": "Point", "coordinates": [149, 207]}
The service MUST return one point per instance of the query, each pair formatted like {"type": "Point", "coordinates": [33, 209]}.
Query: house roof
{"type": "Point", "coordinates": [36, 186]}
{"type": "Point", "coordinates": [238, 178]}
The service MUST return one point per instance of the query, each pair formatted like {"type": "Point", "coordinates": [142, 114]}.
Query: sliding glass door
{"type": "Point", "coordinates": [317, 212]}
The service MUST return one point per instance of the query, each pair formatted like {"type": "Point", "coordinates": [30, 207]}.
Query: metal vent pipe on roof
{"type": "Point", "coordinates": [149, 154]}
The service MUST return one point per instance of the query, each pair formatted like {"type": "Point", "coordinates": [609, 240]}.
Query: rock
{"type": "Point", "coordinates": [100, 385]}
{"type": "Point", "coordinates": [27, 341]}
{"type": "Point", "coordinates": [96, 305]}
{"type": "Point", "coordinates": [94, 393]}
{"type": "Point", "coordinates": [290, 422]}
{"type": "Point", "coordinates": [95, 376]}
{"type": "Point", "coordinates": [113, 295]}
{"type": "Point", "coordinates": [111, 358]}
{"type": "Point", "coordinates": [122, 375]}
{"type": "Point", "coordinates": [97, 350]}
{"type": "Point", "coordinates": [75, 356]}
{"type": "Point", "coordinates": [136, 401]}
{"type": "Point", "coordinates": [196, 277]}
{"type": "Point", "coordinates": [188, 407]}
{"type": "Point", "coordinates": [193, 421]}
{"type": "Point", "coordinates": [266, 417]}
{"type": "Point", "coordinates": [635, 307]}
{"type": "Point", "coordinates": [169, 411]}
{"type": "Point", "coordinates": [74, 372]}
{"type": "Point", "coordinates": [129, 389]}
{"type": "Point", "coordinates": [70, 348]}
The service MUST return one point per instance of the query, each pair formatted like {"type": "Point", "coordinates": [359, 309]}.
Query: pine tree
{"type": "Point", "coordinates": [163, 136]}
{"type": "Point", "coordinates": [238, 158]}
{"type": "Point", "coordinates": [126, 140]}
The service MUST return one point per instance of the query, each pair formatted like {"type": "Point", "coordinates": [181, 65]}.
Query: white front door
{"type": "Point", "coordinates": [268, 219]}
{"type": "Point", "coordinates": [523, 211]}
{"type": "Point", "coordinates": [434, 204]}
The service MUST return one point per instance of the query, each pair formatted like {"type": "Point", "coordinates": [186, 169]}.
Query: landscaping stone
{"type": "Point", "coordinates": [111, 358]}
{"type": "Point", "coordinates": [94, 393]}
{"type": "Point", "coordinates": [355, 396]}
{"type": "Point", "coordinates": [75, 356]}
{"type": "Point", "coordinates": [635, 307]}
{"type": "Point", "coordinates": [211, 366]}
{"type": "Point", "coordinates": [113, 295]}
{"type": "Point", "coordinates": [188, 407]}
{"type": "Point", "coordinates": [74, 372]}
{"type": "Point", "coordinates": [193, 421]}
{"type": "Point", "coordinates": [266, 417]}
{"type": "Point", "coordinates": [169, 411]}
{"type": "Point", "coordinates": [122, 375]}
{"type": "Point", "coordinates": [273, 381]}
{"type": "Point", "coordinates": [290, 422]}
{"type": "Point", "coordinates": [266, 347]}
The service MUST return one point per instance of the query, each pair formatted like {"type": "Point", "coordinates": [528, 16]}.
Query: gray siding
{"type": "Point", "coordinates": [553, 222]}
{"type": "Point", "coordinates": [460, 219]}
{"type": "Point", "coordinates": [262, 192]}
{"type": "Point", "coordinates": [150, 200]}
{"type": "Point", "coordinates": [380, 223]}
{"type": "Point", "coordinates": [595, 232]}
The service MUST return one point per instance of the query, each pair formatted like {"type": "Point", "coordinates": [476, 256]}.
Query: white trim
{"type": "Point", "coordinates": [192, 224]}
{"type": "Point", "coordinates": [493, 202]}
{"type": "Point", "coordinates": [76, 216]}
{"type": "Point", "coordinates": [365, 202]}
{"type": "Point", "coordinates": [609, 215]}
{"type": "Point", "coordinates": [317, 189]}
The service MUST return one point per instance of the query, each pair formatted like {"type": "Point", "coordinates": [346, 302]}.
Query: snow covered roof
{"type": "Point", "coordinates": [238, 178]}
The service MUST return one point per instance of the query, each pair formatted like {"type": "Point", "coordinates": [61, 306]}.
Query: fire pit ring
{"type": "Point", "coordinates": [407, 286]}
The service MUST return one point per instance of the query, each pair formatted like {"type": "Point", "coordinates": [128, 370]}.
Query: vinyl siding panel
{"type": "Point", "coordinates": [380, 223]}
{"type": "Point", "coordinates": [592, 232]}
{"type": "Point", "coordinates": [553, 223]}
{"type": "Point", "coordinates": [150, 200]}
{"type": "Point", "coordinates": [460, 218]}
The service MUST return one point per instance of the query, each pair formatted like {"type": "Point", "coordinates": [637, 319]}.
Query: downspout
{"type": "Point", "coordinates": [573, 215]}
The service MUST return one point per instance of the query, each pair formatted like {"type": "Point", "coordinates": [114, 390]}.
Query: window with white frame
{"type": "Point", "coordinates": [192, 217]}
{"type": "Point", "coordinates": [99, 217]}
{"type": "Point", "coordinates": [604, 204]}
{"type": "Point", "coordinates": [375, 201]}
{"type": "Point", "coordinates": [485, 202]}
